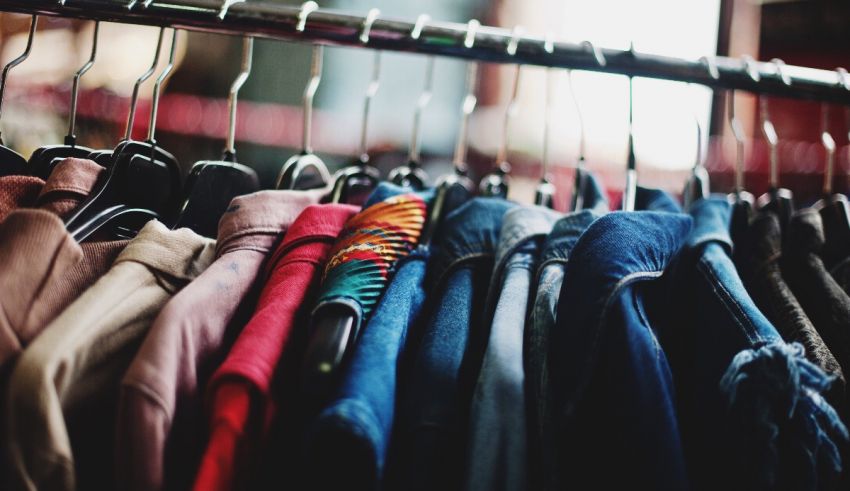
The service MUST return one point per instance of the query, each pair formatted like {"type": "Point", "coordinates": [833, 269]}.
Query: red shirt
{"type": "Point", "coordinates": [239, 391]}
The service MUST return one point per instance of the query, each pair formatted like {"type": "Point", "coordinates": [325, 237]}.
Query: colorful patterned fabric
{"type": "Point", "coordinates": [368, 248]}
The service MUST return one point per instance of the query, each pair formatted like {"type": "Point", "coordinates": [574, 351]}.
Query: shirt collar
{"type": "Point", "coordinates": [180, 253]}
{"type": "Point", "coordinates": [651, 199]}
{"type": "Point", "coordinates": [316, 222]}
{"type": "Point", "coordinates": [521, 224]}
{"type": "Point", "coordinates": [72, 176]}
{"type": "Point", "coordinates": [565, 233]}
{"type": "Point", "coordinates": [805, 232]}
{"type": "Point", "coordinates": [255, 221]}
{"type": "Point", "coordinates": [711, 223]}
{"type": "Point", "coordinates": [765, 239]}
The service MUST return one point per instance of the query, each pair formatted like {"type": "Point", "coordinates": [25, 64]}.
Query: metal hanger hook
{"type": "Point", "coordinates": [767, 128]}
{"type": "Point", "coordinates": [134, 98]}
{"type": "Point", "coordinates": [596, 52]}
{"type": "Point", "coordinates": [829, 146]}
{"type": "Point", "coordinates": [157, 87]}
{"type": "Point", "coordinates": [469, 101]}
{"type": "Point", "coordinates": [224, 8]}
{"type": "Point", "coordinates": [738, 132]}
{"type": "Point", "coordinates": [750, 68]}
{"type": "Point", "coordinates": [306, 9]}
{"type": "Point", "coordinates": [247, 57]}
{"type": "Point", "coordinates": [843, 78]}
{"type": "Point", "coordinates": [548, 47]}
{"type": "Point", "coordinates": [17, 61]}
{"type": "Point", "coordinates": [711, 65]}
{"type": "Point", "coordinates": [71, 138]}
{"type": "Point", "coordinates": [511, 108]}
{"type": "Point", "coordinates": [374, 84]}
{"type": "Point", "coordinates": [315, 78]}
{"type": "Point", "coordinates": [424, 97]}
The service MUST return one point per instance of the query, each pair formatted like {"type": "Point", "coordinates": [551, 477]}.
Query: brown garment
{"type": "Point", "coordinates": [160, 431]}
{"type": "Point", "coordinates": [68, 185]}
{"type": "Point", "coordinates": [18, 192]}
{"type": "Point", "coordinates": [63, 392]}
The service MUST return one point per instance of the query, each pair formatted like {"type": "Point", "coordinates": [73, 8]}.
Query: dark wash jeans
{"type": "Point", "coordinates": [750, 408]}
{"type": "Point", "coordinates": [613, 399]}
{"type": "Point", "coordinates": [429, 438]}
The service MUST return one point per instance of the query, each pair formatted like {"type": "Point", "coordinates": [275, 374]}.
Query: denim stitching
{"type": "Point", "coordinates": [729, 302]}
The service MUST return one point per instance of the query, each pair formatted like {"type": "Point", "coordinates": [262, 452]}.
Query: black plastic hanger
{"type": "Point", "coordinates": [306, 170]}
{"type": "Point", "coordinates": [580, 182]}
{"type": "Point", "coordinates": [777, 199]}
{"type": "Point", "coordinates": [833, 207]}
{"type": "Point", "coordinates": [105, 157]}
{"type": "Point", "coordinates": [411, 174]}
{"type": "Point", "coordinates": [11, 162]}
{"type": "Point", "coordinates": [354, 183]}
{"type": "Point", "coordinates": [211, 185]}
{"type": "Point", "coordinates": [698, 186]}
{"type": "Point", "coordinates": [544, 193]}
{"type": "Point", "coordinates": [497, 183]}
{"type": "Point", "coordinates": [44, 159]}
{"type": "Point", "coordinates": [139, 186]}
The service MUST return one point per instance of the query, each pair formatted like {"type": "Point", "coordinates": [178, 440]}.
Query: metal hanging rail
{"type": "Point", "coordinates": [269, 20]}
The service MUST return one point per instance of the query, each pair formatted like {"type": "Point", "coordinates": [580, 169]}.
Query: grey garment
{"type": "Point", "coordinates": [550, 274]}
{"type": "Point", "coordinates": [498, 440]}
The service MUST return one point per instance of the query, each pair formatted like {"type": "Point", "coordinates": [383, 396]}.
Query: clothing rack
{"type": "Point", "coordinates": [490, 44]}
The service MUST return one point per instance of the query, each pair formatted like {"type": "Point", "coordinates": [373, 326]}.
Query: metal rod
{"type": "Point", "coordinates": [272, 20]}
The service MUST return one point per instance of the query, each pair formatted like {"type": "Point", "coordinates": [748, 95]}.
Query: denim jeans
{"type": "Point", "coordinates": [498, 439]}
{"type": "Point", "coordinates": [554, 255]}
{"type": "Point", "coordinates": [430, 435]}
{"type": "Point", "coordinates": [751, 412]}
{"type": "Point", "coordinates": [613, 407]}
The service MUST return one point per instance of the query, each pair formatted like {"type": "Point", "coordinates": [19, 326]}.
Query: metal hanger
{"type": "Point", "coordinates": [740, 196]}
{"type": "Point", "coordinates": [353, 184]}
{"type": "Point", "coordinates": [104, 157]}
{"type": "Point", "coordinates": [833, 207]}
{"type": "Point", "coordinates": [580, 182]}
{"type": "Point", "coordinates": [496, 183]}
{"type": "Point", "coordinates": [306, 170]}
{"type": "Point", "coordinates": [698, 186]}
{"type": "Point", "coordinates": [411, 174]}
{"type": "Point", "coordinates": [630, 190]}
{"type": "Point", "coordinates": [44, 159]}
{"type": "Point", "coordinates": [139, 186]}
{"type": "Point", "coordinates": [455, 187]}
{"type": "Point", "coordinates": [211, 185]}
{"type": "Point", "coordinates": [777, 199]}
{"type": "Point", "coordinates": [544, 193]}
{"type": "Point", "coordinates": [11, 162]}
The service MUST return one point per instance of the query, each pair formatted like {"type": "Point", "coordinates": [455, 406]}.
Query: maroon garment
{"type": "Point", "coordinates": [239, 391]}
{"type": "Point", "coordinates": [160, 434]}
{"type": "Point", "coordinates": [18, 192]}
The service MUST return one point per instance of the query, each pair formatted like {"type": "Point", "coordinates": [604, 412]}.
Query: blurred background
{"type": "Point", "coordinates": [193, 113]}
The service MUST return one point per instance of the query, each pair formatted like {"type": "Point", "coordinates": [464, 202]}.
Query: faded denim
{"type": "Point", "coordinates": [613, 405]}
{"type": "Point", "coordinates": [651, 199]}
{"type": "Point", "coordinates": [498, 440]}
{"type": "Point", "coordinates": [750, 408]}
{"type": "Point", "coordinates": [550, 274]}
{"type": "Point", "coordinates": [429, 447]}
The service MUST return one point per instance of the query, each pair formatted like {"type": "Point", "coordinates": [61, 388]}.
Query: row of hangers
{"type": "Point", "coordinates": [143, 181]}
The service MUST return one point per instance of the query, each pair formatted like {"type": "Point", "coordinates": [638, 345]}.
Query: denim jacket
{"type": "Point", "coordinates": [432, 425]}
{"type": "Point", "coordinates": [498, 438]}
{"type": "Point", "coordinates": [613, 399]}
{"type": "Point", "coordinates": [751, 412]}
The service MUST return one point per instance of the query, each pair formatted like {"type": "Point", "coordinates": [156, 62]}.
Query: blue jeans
{"type": "Point", "coordinates": [749, 403]}
{"type": "Point", "coordinates": [651, 199]}
{"type": "Point", "coordinates": [431, 429]}
{"type": "Point", "coordinates": [497, 454]}
{"type": "Point", "coordinates": [614, 420]}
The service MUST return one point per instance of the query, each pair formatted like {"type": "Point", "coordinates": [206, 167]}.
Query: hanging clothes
{"type": "Point", "coordinates": [614, 399]}
{"type": "Point", "coordinates": [240, 393]}
{"type": "Point", "coordinates": [434, 405]}
{"type": "Point", "coordinates": [160, 436]}
{"type": "Point", "coordinates": [63, 393]}
{"type": "Point", "coordinates": [42, 268]}
{"type": "Point", "coordinates": [353, 430]}
{"type": "Point", "coordinates": [554, 258]}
